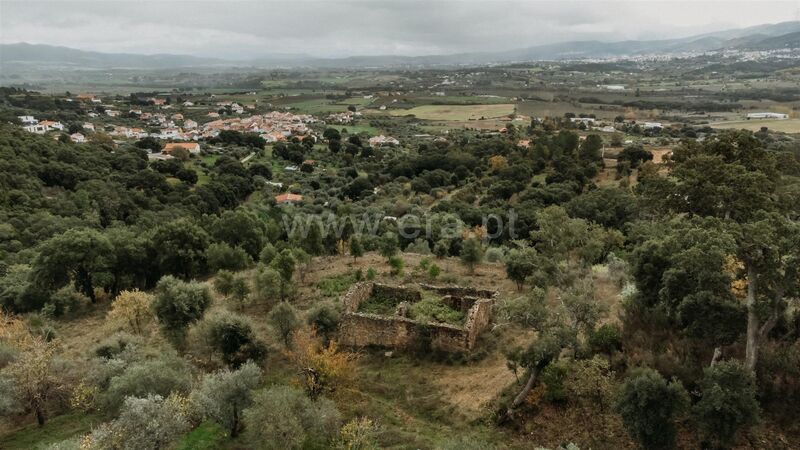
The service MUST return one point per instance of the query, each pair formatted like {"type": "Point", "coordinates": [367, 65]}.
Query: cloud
{"type": "Point", "coordinates": [239, 29]}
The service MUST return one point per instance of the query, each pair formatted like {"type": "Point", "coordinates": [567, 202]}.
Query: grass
{"type": "Point", "coordinates": [207, 436]}
{"type": "Point", "coordinates": [336, 285]}
{"type": "Point", "coordinates": [377, 304]}
{"type": "Point", "coordinates": [457, 112]}
{"type": "Point", "coordinates": [432, 309]}
{"type": "Point", "coordinates": [56, 429]}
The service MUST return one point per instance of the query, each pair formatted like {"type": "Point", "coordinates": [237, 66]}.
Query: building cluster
{"type": "Point", "coordinates": [272, 127]}
{"type": "Point", "coordinates": [342, 117]}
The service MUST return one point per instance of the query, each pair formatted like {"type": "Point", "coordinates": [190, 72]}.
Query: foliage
{"type": "Point", "coordinates": [233, 337]}
{"type": "Point", "coordinates": [131, 310]}
{"type": "Point", "coordinates": [359, 434]}
{"type": "Point", "coordinates": [649, 406]}
{"type": "Point", "coordinates": [224, 395]}
{"type": "Point", "coordinates": [221, 256]}
{"type": "Point", "coordinates": [147, 423]}
{"type": "Point", "coordinates": [434, 310]}
{"type": "Point", "coordinates": [471, 253]}
{"type": "Point", "coordinates": [163, 376]}
{"type": "Point", "coordinates": [322, 368]}
{"type": "Point", "coordinates": [284, 320]}
{"type": "Point", "coordinates": [178, 304]}
{"type": "Point", "coordinates": [324, 317]}
{"type": "Point", "coordinates": [284, 418]}
{"type": "Point", "coordinates": [728, 405]}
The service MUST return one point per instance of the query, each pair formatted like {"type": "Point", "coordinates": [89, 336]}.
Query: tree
{"type": "Point", "coordinates": [33, 376]}
{"type": "Point", "coordinates": [284, 320]}
{"type": "Point", "coordinates": [471, 253]}
{"type": "Point", "coordinates": [224, 395]}
{"type": "Point", "coordinates": [389, 245]}
{"type": "Point", "coordinates": [131, 310]}
{"type": "Point", "coordinates": [240, 228]}
{"type": "Point", "coordinates": [520, 264]}
{"type": "Point", "coordinates": [223, 282]}
{"type": "Point", "coordinates": [356, 248]}
{"type": "Point", "coordinates": [282, 417]}
{"type": "Point", "coordinates": [284, 263]}
{"type": "Point", "coordinates": [267, 283]}
{"type": "Point", "coordinates": [728, 404]}
{"type": "Point", "coordinates": [233, 337]}
{"type": "Point", "coordinates": [359, 434]}
{"type": "Point", "coordinates": [180, 248]}
{"type": "Point", "coordinates": [223, 256]}
{"type": "Point", "coordinates": [240, 290]}
{"type": "Point", "coordinates": [77, 255]}
{"type": "Point", "coordinates": [649, 406]}
{"type": "Point", "coordinates": [324, 317]}
{"type": "Point", "coordinates": [535, 358]}
{"type": "Point", "coordinates": [178, 304]}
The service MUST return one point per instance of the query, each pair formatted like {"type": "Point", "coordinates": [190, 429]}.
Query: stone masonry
{"type": "Point", "coordinates": [396, 331]}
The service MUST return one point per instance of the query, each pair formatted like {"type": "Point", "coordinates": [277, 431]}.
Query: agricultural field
{"type": "Point", "coordinates": [458, 113]}
{"type": "Point", "coordinates": [782, 126]}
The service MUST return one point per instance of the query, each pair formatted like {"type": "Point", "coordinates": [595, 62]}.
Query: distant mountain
{"type": "Point", "coordinates": [24, 53]}
{"type": "Point", "coordinates": [762, 37]}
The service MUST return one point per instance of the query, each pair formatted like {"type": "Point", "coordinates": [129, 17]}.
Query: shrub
{"type": "Point", "coordinates": [434, 271]}
{"type": "Point", "coordinates": [65, 301]}
{"type": "Point", "coordinates": [266, 284]}
{"type": "Point", "coordinates": [223, 283]}
{"type": "Point", "coordinates": [607, 338]}
{"type": "Point", "coordinates": [396, 264]}
{"type": "Point", "coordinates": [728, 404]}
{"type": "Point", "coordinates": [149, 423]}
{"type": "Point", "coordinates": [553, 377]}
{"type": "Point", "coordinates": [233, 337]}
{"type": "Point", "coordinates": [131, 311]}
{"type": "Point", "coordinates": [371, 274]}
{"type": "Point", "coordinates": [115, 344]}
{"type": "Point", "coordinates": [267, 254]}
{"type": "Point", "coordinates": [434, 310]}
{"type": "Point", "coordinates": [359, 434]}
{"type": "Point", "coordinates": [649, 406]}
{"type": "Point", "coordinates": [419, 246]}
{"type": "Point", "coordinates": [324, 317]}
{"type": "Point", "coordinates": [284, 418]}
{"type": "Point", "coordinates": [495, 255]}
{"type": "Point", "coordinates": [161, 376]}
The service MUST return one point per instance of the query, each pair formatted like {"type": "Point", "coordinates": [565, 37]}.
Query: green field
{"type": "Point", "coordinates": [457, 112]}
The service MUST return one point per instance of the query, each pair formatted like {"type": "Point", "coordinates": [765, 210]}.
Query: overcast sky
{"type": "Point", "coordinates": [333, 28]}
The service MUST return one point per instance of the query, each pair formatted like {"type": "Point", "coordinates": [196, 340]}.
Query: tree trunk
{"type": "Point", "coordinates": [40, 418]}
{"type": "Point", "coordinates": [751, 352]}
{"type": "Point", "coordinates": [523, 394]}
{"type": "Point", "coordinates": [716, 357]}
{"type": "Point", "coordinates": [235, 424]}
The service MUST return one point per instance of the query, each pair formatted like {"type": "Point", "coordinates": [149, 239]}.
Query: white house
{"type": "Point", "coordinates": [77, 138]}
{"type": "Point", "coordinates": [767, 115]}
{"type": "Point", "coordinates": [27, 120]}
{"type": "Point", "coordinates": [35, 128]}
{"type": "Point", "coordinates": [378, 141]}
{"type": "Point", "coordinates": [586, 120]}
{"type": "Point", "coordinates": [651, 125]}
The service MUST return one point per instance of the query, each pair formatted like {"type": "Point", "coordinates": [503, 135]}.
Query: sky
{"type": "Point", "coordinates": [337, 28]}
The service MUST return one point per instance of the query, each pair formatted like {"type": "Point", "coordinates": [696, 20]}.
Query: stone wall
{"type": "Point", "coordinates": [362, 330]}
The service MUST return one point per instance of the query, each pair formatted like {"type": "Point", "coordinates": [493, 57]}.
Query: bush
{"type": "Point", "coordinates": [419, 246]}
{"type": "Point", "coordinates": [434, 271]}
{"type": "Point", "coordinates": [116, 344]}
{"type": "Point", "coordinates": [149, 423]}
{"type": "Point", "coordinates": [161, 376]}
{"type": "Point", "coordinates": [131, 311]}
{"type": "Point", "coordinates": [324, 317]}
{"type": "Point", "coordinates": [65, 301]}
{"type": "Point", "coordinates": [495, 255]}
{"type": "Point", "coordinates": [553, 377]}
{"type": "Point", "coordinates": [371, 274]}
{"type": "Point", "coordinates": [396, 264]}
{"type": "Point", "coordinates": [728, 404]}
{"type": "Point", "coordinates": [233, 337]}
{"type": "Point", "coordinates": [284, 418]}
{"type": "Point", "coordinates": [606, 339]}
{"type": "Point", "coordinates": [267, 254]}
{"type": "Point", "coordinates": [649, 407]}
